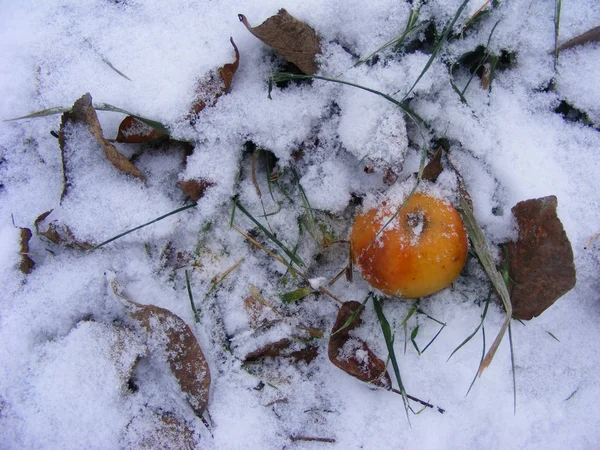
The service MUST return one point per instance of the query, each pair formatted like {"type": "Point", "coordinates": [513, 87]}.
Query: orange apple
{"type": "Point", "coordinates": [420, 252]}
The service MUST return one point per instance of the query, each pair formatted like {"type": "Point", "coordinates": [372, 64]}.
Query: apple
{"type": "Point", "coordinates": [422, 250]}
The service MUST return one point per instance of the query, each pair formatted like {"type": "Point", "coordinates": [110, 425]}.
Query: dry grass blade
{"type": "Point", "coordinates": [222, 277]}
{"type": "Point", "coordinates": [480, 245]}
{"type": "Point", "coordinates": [592, 35]}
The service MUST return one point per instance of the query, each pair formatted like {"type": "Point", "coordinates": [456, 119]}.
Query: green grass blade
{"type": "Point", "coordinates": [512, 367]}
{"type": "Point", "coordinates": [557, 9]}
{"type": "Point", "coordinates": [296, 259]}
{"type": "Point", "coordinates": [42, 113]}
{"type": "Point", "coordinates": [151, 123]}
{"type": "Point", "coordinates": [485, 309]}
{"type": "Point", "coordinates": [387, 335]}
{"type": "Point", "coordinates": [553, 337]}
{"type": "Point", "coordinates": [413, 336]}
{"type": "Point", "coordinates": [178, 210]}
{"type": "Point", "coordinates": [434, 338]}
{"type": "Point", "coordinates": [481, 362]}
{"type": "Point", "coordinates": [191, 297]}
{"type": "Point", "coordinates": [441, 41]}
{"type": "Point", "coordinates": [295, 295]}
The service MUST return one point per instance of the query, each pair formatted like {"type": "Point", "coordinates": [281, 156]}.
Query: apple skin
{"type": "Point", "coordinates": [422, 251]}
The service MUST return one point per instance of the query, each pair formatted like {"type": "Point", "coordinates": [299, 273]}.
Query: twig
{"type": "Point", "coordinates": [418, 400]}
{"type": "Point", "coordinates": [312, 439]}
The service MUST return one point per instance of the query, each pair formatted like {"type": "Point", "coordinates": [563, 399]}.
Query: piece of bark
{"type": "Point", "coordinates": [358, 359]}
{"type": "Point", "coordinates": [295, 41]}
{"type": "Point", "coordinates": [540, 262]}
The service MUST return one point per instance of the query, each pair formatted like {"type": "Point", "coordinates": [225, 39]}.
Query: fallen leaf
{"type": "Point", "coordinates": [150, 430]}
{"type": "Point", "coordinates": [592, 35]}
{"type": "Point", "coordinates": [185, 357]}
{"type": "Point", "coordinates": [84, 113]}
{"type": "Point", "coordinates": [352, 354]}
{"type": "Point", "coordinates": [27, 263]}
{"type": "Point", "coordinates": [59, 234]}
{"type": "Point", "coordinates": [295, 41]}
{"type": "Point", "coordinates": [134, 131]}
{"type": "Point", "coordinates": [281, 349]}
{"type": "Point", "coordinates": [434, 167]}
{"type": "Point", "coordinates": [195, 189]}
{"type": "Point", "coordinates": [540, 262]}
{"type": "Point", "coordinates": [216, 84]}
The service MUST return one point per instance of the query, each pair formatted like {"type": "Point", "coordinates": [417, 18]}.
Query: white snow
{"type": "Point", "coordinates": [68, 353]}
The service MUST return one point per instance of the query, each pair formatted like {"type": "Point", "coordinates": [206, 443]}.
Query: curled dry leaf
{"type": "Point", "coordinates": [592, 35]}
{"type": "Point", "coordinates": [134, 131]}
{"type": "Point", "coordinates": [195, 189]}
{"type": "Point", "coordinates": [59, 234]}
{"type": "Point", "coordinates": [27, 263]}
{"type": "Point", "coordinates": [216, 84]}
{"type": "Point", "coordinates": [293, 40]}
{"type": "Point", "coordinates": [182, 351]}
{"type": "Point", "coordinates": [352, 354]}
{"type": "Point", "coordinates": [84, 113]}
{"type": "Point", "coordinates": [540, 262]}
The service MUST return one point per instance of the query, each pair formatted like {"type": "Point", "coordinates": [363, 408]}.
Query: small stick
{"type": "Point", "coordinates": [422, 402]}
{"type": "Point", "coordinates": [312, 439]}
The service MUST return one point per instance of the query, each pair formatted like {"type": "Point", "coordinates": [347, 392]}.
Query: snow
{"type": "Point", "coordinates": [68, 355]}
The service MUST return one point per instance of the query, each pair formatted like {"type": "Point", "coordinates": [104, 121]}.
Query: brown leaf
{"type": "Point", "coordinates": [279, 349]}
{"type": "Point", "coordinates": [27, 263]}
{"type": "Point", "coordinates": [84, 113]}
{"type": "Point", "coordinates": [151, 431]}
{"type": "Point", "coordinates": [434, 167]}
{"type": "Point", "coordinates": [540, 262]}
{"type": "Point", "coordinates": [592, 35]}
{"type": "Point", "coordinates": [217, 83]}
{"type": "Point", "coordinates": [352, 354]}
{"type": "Point", "coordinates": [59, 234]}
{"type": "Point", "coordinates": [195, 189]}
{"type": "Point", "coordinates": [293, 40]}
{"type": "Point", "coordinates": [185, 357]}
{"type": "Point", "coordinates": [134, 131]}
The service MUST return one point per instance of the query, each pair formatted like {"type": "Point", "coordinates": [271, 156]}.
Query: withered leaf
{"type": "Point", "coordinates": [295, 41]}
{"type": "Point", "coordinates": [352, 354]}
{"type": "Point", "coordinates": [195, 189]}
{"type": "Point", "coordinates": [84, 113]}
{"type": "Point", "coordinates": [59, 234]}
{"type": "Point", "coordinates": [134, 131]}
{"type": "Point", "coordinates": [281, 349]}
{"type": "Point", "coordinates": [540, 262]}
{"type": "Point", "coordinates": [217, 83]}
{"type": "Point", "coordinates": [185, 357]}
{"type": "Point", "coordinates": [150, 431]}
{"type": "Point", "coordinates": [592, 35]}
{"type": "Point", "coordinates": [434, 167]}
{"type": "Point", "coordinates": [26, 265]}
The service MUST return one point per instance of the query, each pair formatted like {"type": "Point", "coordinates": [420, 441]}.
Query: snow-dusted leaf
{"type": "Point", "coordinates": [134, 131]}
{"type": "Point", "coordinates": [540, 262]}
{"type": "Point", "coordinates": [27, 263]}
{"type": "Point", "coordinates": [352, 354]}
{"type": "Point", "coordinates": [592, 35]}
{"type": "Point", "coordinates": [216, 83]}
{"type": "Point", "coordinates": [150, 430]}
{"type": "Point", "coordinates": [293, 40]}
{"type": "Point", "coordinates": [173, 336]}
{"type": "Point", "coordinates": [84, 113]}
{"type": "Point", "coordinates": [195, 189]}
{"type": "Point", "coordinates": [58, 233]}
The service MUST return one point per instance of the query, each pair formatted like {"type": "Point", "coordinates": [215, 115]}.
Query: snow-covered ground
{"type": "Point", "coordinates": [65, 378]}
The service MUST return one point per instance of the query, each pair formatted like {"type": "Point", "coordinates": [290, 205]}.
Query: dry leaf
{"type": "Point", "coordinates": [434, 168]}
{"type": "Point", "coordinates": [59, 234]}
{"type": "Point", "coordinates": [134, 131]}
{"type": "Point", "coordinates": [195, 189]}
{"type": "Point", "coordinates": [540, 262]}
{"type": "Point", "coordinates": [352, 354]}
{"type": "Point", "coordinates": [27, 263]}
{"type": "Point", "coordinates": [279, 349]}
{"type": "Point", "coordinates": [216, 84]}
{"type": "Point", "coordinates": [185, 357]}
{"type": "Point", "coordinates": [151, 431]}
{"type": "Point", "coordinates": [592, 35]}
{"type": "Point", "coordinates": [84, 113]}
{"type": "Point", "coordinates": [293, 40]}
